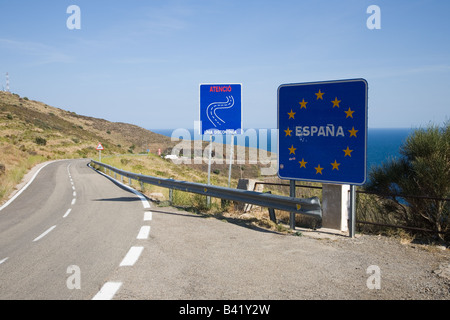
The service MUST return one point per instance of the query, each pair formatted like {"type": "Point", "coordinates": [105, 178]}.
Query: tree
{"type": "Point", "coordinates": [422, 171]}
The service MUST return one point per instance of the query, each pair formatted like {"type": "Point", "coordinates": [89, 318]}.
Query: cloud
{"type": "Point", "coordinates": [39, 53]}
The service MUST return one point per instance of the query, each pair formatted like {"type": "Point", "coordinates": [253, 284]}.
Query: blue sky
{"type": "Point", "coordinates": [141, 61]}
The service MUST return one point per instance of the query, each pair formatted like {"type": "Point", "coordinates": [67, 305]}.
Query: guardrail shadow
{"type": "Point", "coordinates": [188, 213]}
{"type": "Point", "coordinates": [119, 199]}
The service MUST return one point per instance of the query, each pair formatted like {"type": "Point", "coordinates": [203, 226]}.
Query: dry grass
{"type": "Point", "coordinates": [32, 132]}
{"type": "Point", "coordinates": [16, 163]}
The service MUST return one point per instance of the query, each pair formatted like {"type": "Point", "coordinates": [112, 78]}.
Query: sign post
{"type": "Point", "coordinates": [100, 148]}
{"type": "Point", "coordinates": [323, 132]}
{"type": "Point", "coordinates": [220, 113]}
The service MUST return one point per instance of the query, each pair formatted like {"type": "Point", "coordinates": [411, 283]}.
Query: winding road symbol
{"type": "Point", "coordinates": [213, 107]}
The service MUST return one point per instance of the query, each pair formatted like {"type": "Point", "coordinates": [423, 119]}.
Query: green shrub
{"type": "Point", "coordinates": [40, 141]}
{"type": "Point", "coordinates": [423, 170]}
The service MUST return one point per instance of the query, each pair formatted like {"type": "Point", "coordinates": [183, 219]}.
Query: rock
{"type": "Point", "coordinates": [158, 196]}
{"type": "Point", "coordinates": [443, 271]}
{"type": "Point", "coordinates": [250, 185]}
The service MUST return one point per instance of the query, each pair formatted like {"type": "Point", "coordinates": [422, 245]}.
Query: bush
{"type": "Point", "coordinates": [423, 170]}
{"type": "Point", "coordinates": [40, 141]}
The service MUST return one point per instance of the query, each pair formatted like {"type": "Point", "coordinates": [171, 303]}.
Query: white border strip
{"type": "Point", "coordinates": [140, 195]}
{"type": "Point", "coordinates": [23, 189]}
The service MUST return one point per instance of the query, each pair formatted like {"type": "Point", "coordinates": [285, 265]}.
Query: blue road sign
{"type": "Point", "coordinates": [322, 131]}
{"type": "Point", "coordinates": [221, 108]}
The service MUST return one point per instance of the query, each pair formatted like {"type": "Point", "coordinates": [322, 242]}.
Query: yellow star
{"type": "Point", "coordinates": [348, 152]}
{"type": "Point", "coordinates": [336, 102]}
{"type": "Point", "coordinates": [292, 150]}
{"type": "Point", "coordinates": [291, 114]}
{"type": "Point", "coordinates": [349, 113]}
{"type": "Point", "coordinates": [288, 132]}
{"type": "Point", "coordinates": [303, 163]}
{"type": "Point", "coordinates": [335, 165]}
{"type": "Point", "coordinates": [353, 132]}
{"type": "Point", "coordinates": [320, 95]}
{"type": "Point", "coordinates": [318, 169]}
{"type": "Point", "coordinates": [303, 104]}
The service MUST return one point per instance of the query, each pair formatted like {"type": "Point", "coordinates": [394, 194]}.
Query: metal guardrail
{"type": "Point", "coordinates": [309, 207]}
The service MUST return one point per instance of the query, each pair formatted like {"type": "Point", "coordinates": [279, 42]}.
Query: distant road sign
{"type": "Point", "coordinates": [221, 108]}
{"type": "Point", "coordinates": [100, 147]}
{"type": "Point", "coordinates": [323, 131]}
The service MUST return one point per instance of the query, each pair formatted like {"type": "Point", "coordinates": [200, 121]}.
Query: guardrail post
{"type": "Point", "coordinates": [272, 216]}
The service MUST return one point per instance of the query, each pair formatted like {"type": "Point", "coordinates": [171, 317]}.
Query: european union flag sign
{"type": "Point", "coordinates": [322, 131]}
{"type": "Point", "coordinates": [221, 108]}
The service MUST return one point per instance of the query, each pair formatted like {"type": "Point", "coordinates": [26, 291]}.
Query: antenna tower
{"type": "Point", "coordinates": [7, 82]}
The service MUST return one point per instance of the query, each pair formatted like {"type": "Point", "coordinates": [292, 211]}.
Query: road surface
{"type": "Point", "coordinates": [69, 222]}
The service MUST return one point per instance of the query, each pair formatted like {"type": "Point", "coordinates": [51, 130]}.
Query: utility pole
{"type": "Point", "coordinates": [7, 82]}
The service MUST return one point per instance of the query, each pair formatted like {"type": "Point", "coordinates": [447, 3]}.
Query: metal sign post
{"type": "Point", "coordinates": [292, 194]}
{"type": "Point", "coordinates": [100, 148]}
{"type": "Point", "coordinates": [231, 159]}
{"type": "Point", "coordinates": [208, 198]}
{"type": "Point", "coordinates": [352, 217]}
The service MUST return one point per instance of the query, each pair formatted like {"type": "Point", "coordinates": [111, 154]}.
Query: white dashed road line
{"type": "Point", "coordinates": [148, 215]}
{"type": "Point", "coordinates": [44, 233]}
{"type": "Point", "coordinates": [143, 233]}
{"type": "Point", "coordinates": [108, 291]}
{"type": "Point", "coordinates": [132, 256]}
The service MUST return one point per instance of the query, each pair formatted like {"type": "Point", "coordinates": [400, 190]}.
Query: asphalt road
{"type": "Point", "coordinates": [73, 233]}
{"type": "Point", "coordinates": [64, 235]}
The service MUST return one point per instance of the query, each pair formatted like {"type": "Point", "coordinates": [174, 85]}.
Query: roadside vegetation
{"type": "Point", "coordinates": [410, 190]}
{"type": "Point", "coordinates": [33, 132]}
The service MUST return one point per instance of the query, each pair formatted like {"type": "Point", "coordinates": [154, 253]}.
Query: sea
{"type": "Point", "coordinates": [382, 143]}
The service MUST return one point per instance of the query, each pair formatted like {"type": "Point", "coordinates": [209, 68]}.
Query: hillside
{"type": "Point", "coordinates": [33, 132]}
